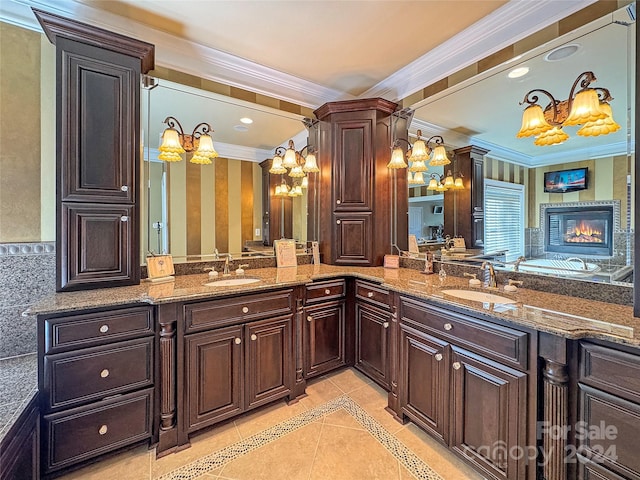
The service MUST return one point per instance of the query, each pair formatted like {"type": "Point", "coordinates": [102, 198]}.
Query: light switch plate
{"type": "Point", "coordinates": [257, 232]}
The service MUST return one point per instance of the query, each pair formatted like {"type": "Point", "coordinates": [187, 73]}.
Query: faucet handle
{"type": "Point", "coordinates": [511, 286]}
{"type": "Point", "coordinates": [240, 269]}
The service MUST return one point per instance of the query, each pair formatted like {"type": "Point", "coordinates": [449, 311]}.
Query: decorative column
{"type": "Point", "coordinates": [300, 382]}
{"type": "Point", "coordinates": [168, 429]}
{"type": "Point", "coordinates": [556, 414]}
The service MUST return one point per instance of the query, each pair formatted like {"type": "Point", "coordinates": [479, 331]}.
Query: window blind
{"type": "Point", "coordinates": [504, 218]}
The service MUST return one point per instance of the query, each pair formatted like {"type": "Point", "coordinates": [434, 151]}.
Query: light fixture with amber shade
{"type": "Point", "coordinates": [588, 107]}
{"type": "Point", "coordinates": [297, 165]}
{"type": "Point", "coordinates": [442, 183]}
{"type": "Point", "coordinates": [175, 142]}
{"type": "Point", "coordinates": [418, 154]}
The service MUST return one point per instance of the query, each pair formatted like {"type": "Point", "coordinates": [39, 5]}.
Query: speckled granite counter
{"type": "Point", "coordinates": [570, 317]}
{"type": "Point", "coordinates": [18, 385]}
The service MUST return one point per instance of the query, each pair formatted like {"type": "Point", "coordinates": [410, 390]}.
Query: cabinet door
{"type": "Point", "coordinates": [353, 239]}
{"type": "Point", "coordinates": [372, 342]}
{"type": "Point", "coordinates": [269, 365]}
{"type": "Point", "coordinates": [424, 379]}
{"type": "Point", "coordinates": [488, 414]}
{"type": "Point", "coordinates": [353, 164]}
{"type": "Point", "coordinates": [324, 332]}
{"type": "Point", "coordinates": [98, 130]}
{"type": "Point", "coordinates": [19, 449]}
{"type": "Point", "coordinates": [213, 366]}
{"type": "Point", "coordinates": [97, 248]}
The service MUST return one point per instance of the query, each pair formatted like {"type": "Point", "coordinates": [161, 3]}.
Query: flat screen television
{"type": "Point", "coordinates": [563, 181]}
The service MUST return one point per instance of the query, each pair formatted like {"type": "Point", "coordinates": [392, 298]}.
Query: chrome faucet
{"type": "Point", "coordinates": [225, 271]}
{"type": "Point", "coordinates": [492, 274]}
{"type": "Point", "coordinates": [519, 260]}
{"type": "Point", "coordinates": [576, 259]}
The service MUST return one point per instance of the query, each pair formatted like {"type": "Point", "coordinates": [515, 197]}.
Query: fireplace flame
{"type": "Point", "coordinates": [584, 232]}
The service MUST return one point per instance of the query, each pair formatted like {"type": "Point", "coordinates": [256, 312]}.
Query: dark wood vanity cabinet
{"type": "Point", "coordinates": [324, 327]}
{"type": "Point", "coordinates": [609, 410]}
{"type": "Point", "coordinates": [98, 153]}
{"type": "Point", "coordinates": [20, 448]}
{"type": "Point", "coordinates": [355, 192]}
{"type": "Point", "coordinates": [467, 382]}
{"type": "Point", "coordinates": [372, 332]}
{"type": "Point", "coordinates": [233, 365]}
{"type": "Point", "coordinates": [96, 383]}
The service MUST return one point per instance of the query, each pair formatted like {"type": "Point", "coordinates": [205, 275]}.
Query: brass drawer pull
{"type": "Point", "coordinates": [439, 357]}
{"type": "Point", "coordinates": [124, 218]}
{"type": "Point", "coordinates": [124, 188]}
{"type": "Point", "coordinates": [385, 324]}
{"type": "Point", "coordinates": [309, 318]}
{"type": "Point", "coordinates": [238, 341]}
{"type": "Point", "coordinates": [254, 337]}
{"type": "Point", "coordinates": [245, 309]}
{"type": "Point", "coordinates": [448, 326]}
{"type": "Point", "coordinates": [103, 429]}
{"type": "Point", "coordinates": [327, 291]}
{"type": "Point", "coordinates": [456, 365]}
{"type": "Point", "coordinates": [370, 294]}
{"type": "Point", "coordinates": [104, 328]}
{"type": "Point", "coordinates": [104, 373]}
{"type": "Point", "coordinates": [338, 222]}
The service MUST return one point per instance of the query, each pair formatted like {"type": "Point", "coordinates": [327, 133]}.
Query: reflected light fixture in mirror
{"type": "Point", "coordinates": [442, 183]}
{"type": "Point", "coordinates": [417, 155]}
{"type": "Point", "coordinates": [176, 142]}
{"type": "Point", "coordinates": [292, 162]}
{"type": "Point", "coordinates": [588, 107]}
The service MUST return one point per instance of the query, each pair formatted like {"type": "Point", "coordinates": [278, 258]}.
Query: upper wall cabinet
{"type": "Point", "coordinates": [98, 154]}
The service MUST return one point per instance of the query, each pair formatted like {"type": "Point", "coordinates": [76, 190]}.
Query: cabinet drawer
{"type": "Point", "coordinates": [95, 373]}
{"type": "Point", "coordinates": [610, 370]}
{"type": "Point", "coordinates": [82, 433]}
{"type": "Point", "coordinates": [74, 331]}
{"type": "Point", "coordinates": [372, 293]}
{"type": "Point", "coordinates": [324, 291]}
{"type": "Point", "coordinates": [507, 345]}
{"type": "Point", "coordinates": [228, 311]}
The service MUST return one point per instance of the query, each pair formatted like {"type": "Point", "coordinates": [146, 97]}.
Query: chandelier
{"type": "Point", "coordinates": [588, 107]}
{"type": "Point", "coordinates": [442, 183]}
{"type": "Point", "coordinates": [417, 155]}
{"type": "Point", "coordinates": [176, 142]}
{"type": "Point", "coordinates": [296, 165]}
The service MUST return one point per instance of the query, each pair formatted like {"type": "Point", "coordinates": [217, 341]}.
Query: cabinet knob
{"type": "Point", "coordinates": [124, 218]}
{"type": "Point", "coordinates": [439, 357]}
{"type": "Point", "coordinates": [104, 328]}
{"type": "Point", "coordinates": [456, 365]}
{"type": "Point", "coordinates": [338, 222]}
{"type": "Point", "coordinates": [104, 373]}
{"type": "Point", "coordinates": [238, 341]}
{"type": "Point", "coordinates": [370, 294]}
{"type": "Point", "coordinates": [124, 188]}
{"type": "Point", "coordinates": [338, 202]}
{"type": "Point", "coordinates": [385, 324]}
{"type": "Point", "coordinates": [245, 309]}
{"type": "Point", "coordinates": [448, 326]}
{"type": "Point", "coordinates": [254, 337]}
{"type": "Point", "coordinates": [309, 318]}
{"type": "Point", "coordinates": [102, 430]}
{"type": "Point", "coordinates": [327, 291]}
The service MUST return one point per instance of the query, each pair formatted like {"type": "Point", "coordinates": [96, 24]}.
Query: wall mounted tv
{"type": "Point", "coordinates": [563, 181]}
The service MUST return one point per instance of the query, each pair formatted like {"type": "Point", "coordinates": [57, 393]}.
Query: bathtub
{"type": "Point", "coordinates": [561, 268]}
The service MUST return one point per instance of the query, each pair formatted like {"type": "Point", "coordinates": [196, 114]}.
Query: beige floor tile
{"type": "Point", "coordinates": [320, 391]}
{"type": "Point", "coordinates": [373, 400]}
{"type": "Point", "coordinates": [435, 455]}
{"type": "Point", "coordinates": [289, 457]}
{"type": "Point", "coordinates": [267, 416]}
{"type": "Point", "coordinates": [342, 418]}
{"type": "Point", "coordinates": [201, 445]}
{"type": "Point", "coordinates": [130, 465]}
{"type": "Point", "coordinates": [348, 379]}
{"type": "Point", "coordinates": [345, 453]}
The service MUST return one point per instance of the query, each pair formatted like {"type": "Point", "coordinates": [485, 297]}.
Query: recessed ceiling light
{"type": "Point", "coordinates": [246, 120]}
{"type": "Point", "coordinates": [562, 52]}
{"type": "Point", "coordinates": [518, 72]}
{"type": "Point", "coordinates": [240, 128]}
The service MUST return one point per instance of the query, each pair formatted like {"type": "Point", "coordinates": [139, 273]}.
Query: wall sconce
{"type": "Point", "coordinates": [442, 183]}
{"type": "Point", "coordinates": [588, 107]}
{"type": "Point", "coordinates": [418, 154]}
{"type": "Point", "coordinates": [296, 165]}
{"type": "Point", "coordinates": [175, 143]}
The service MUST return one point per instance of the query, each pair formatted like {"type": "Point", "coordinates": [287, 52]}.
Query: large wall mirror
{"type": "Point", "coordinates": [484, 111]}
{"type": "Point", "coordinates": [192, 210]}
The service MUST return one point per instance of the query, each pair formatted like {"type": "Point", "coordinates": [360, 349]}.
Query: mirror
{"type": "Point", "coordinates": [193, 210]}
{"type": "Point", "coordinates": [484, 111]}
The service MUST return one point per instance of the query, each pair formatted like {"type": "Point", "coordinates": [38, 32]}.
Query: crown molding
{"type": "Point", "coordinates": [503, 27]}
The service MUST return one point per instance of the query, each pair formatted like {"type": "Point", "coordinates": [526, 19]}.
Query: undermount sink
{"type": "Point", "coordinates": [474, 296]}
{"type": "Point", "coordinates": [232, 282]}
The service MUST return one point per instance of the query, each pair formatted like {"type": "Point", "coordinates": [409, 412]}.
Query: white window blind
{"type": "Point", "coordinates": [504, 218]}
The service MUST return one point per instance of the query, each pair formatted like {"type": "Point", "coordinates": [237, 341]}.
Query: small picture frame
{"type": "Point", "coordinates": [413, 244]}
{"type": "Point", "coordinates": [285, 253]}
{"type": "Point", "coordinates": [391, 261]}
{"type": "Point", "coordinates": [160, 267]}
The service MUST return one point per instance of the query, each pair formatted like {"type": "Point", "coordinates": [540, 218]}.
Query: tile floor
{"type": "Point", "coordinates": [339, 431]}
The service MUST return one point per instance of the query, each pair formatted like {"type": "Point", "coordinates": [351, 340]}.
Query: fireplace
{"type": "Point", "coordinates": [575, 229]}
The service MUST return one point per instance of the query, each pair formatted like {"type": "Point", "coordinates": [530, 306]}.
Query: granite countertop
{"type": "Point", "coordinates": [567, 316]}
{"type": "Point", "coordinates": [18, 386]}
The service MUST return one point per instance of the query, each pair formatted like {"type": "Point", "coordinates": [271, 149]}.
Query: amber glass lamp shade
{"type": "Point", "coordinates": [205, 151]}
{"type": "Point", "coordinates": [171, 148]}
{"type": "Point", "coordinates": [418, 166]}
{"type": "Point", "coordinates": [441, 188]}
{"type": "Point", "coordinates": [533, 122]}
{"type": "Point", "coordinates": [555, 136]}
{"type": "Point", "coordinates": [418, 179]}
{"type": "Point", "coordinates": [397, 159]}
{"type": "Point", "coordinates": [439, 157]}
{"type": "Point", "coordinates": [419, 152]}
{"type": "Point", "coordinates": [290, 159]}
{"type": "Point", "coordinates": [458, 184]}
{"type": "Point", "coordinates": [433, 184]}
{"type": "Point", "coordinates": [276, 166]}
{"type": "Point", "coordinates": [448, 181]}
{"type": "Point", "coordinates": [296, 172]}
{"type": "Point", "coordinates": [585, 108]}
{"type": "Point", "coordinates": [305, 182]}
{"type": "Point", "coordinates": [310, 164]}
{"type": "Point", "coordinates": [602, 126]}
